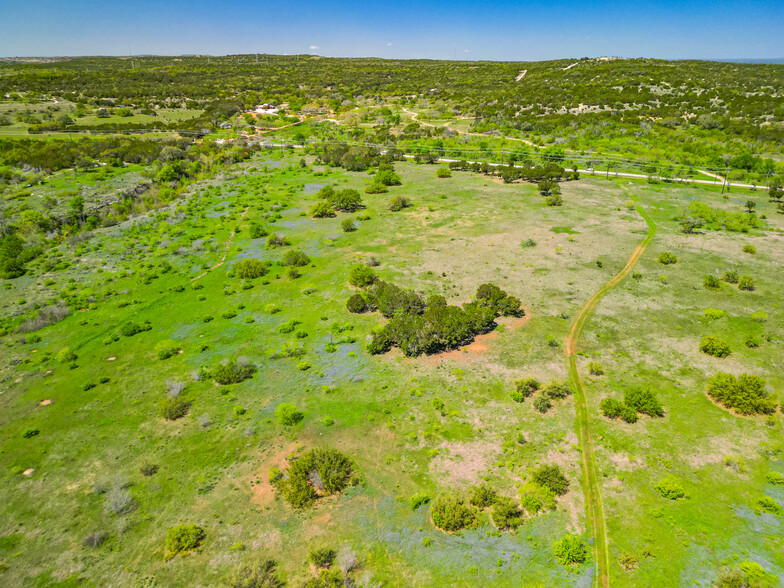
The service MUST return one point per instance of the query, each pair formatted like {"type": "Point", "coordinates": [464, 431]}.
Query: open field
{"type": "Point", "coordinates": [171, 268]}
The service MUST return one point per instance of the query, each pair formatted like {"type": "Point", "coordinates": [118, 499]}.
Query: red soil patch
{"type": "Point", "coordinates": [46, 402]}
{"type": "Point", "coordinates": [262, 492]}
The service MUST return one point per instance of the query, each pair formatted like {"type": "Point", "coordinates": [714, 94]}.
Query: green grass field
{"type": "Point", "coordinates": [171, 268]}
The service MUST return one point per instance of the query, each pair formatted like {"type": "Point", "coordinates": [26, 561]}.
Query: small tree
{"type": "Point", "coordinates": [182, 539]}
{"type": "Point", "coordinates": [570, 550]}
{"type": "Point", "coordinates": [288, 415]}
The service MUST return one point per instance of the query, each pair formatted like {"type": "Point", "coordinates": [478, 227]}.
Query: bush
{"type": "Point", "coordinates": [173, 408]}
{"type": "Point", "coordinates": [775, 478]}
{"type": "Point", "coordinates": [257, 231]}
{"type": "Point", "coordinates": [714, 346]}
{"type": "Point", "coordinates": [506, 513]}
{"type": "Point", "coordinates": [643, 401]}
{"type": "Point", "coordinates": [232, 371]}
{"type": "Point", "coordinates": [557, 390]}
{"type": "Point", "coordinates": [714, 313]}
{"type": "Point", "coordinates": [450, 513]}
{"type": "Point", "coordinates": [275, 240]}
{"type": "Point", "coordinates": [262, 575]}
{"type": "Point", "coordinates": [482, 496]}
{"type": "Point", "coordinates": [542, 404]}
{"type": "Point", "coordinates": [288, 415]}
{"type": "Point", "coordinates": [443, 172]}
{"type": "Point", "coordinates": [535, 498]}
{"type": "Point", "coordinates": [356, 303]}
{"type": "Point", "coordinates": [752, 341]}
{"type": "Point", "coordinates": [166, 348]}
{"type": "Point", "coordinates": [670, 488]}
{"type": "Point", "coordinates": [249, 269]}
{"type": "Point", "coordinates": [746, 283]}
{"type": "Point", "coordinates": [524, 388]}
{"type": "Point", "coordinates": [769, 505]}
{"type": "Point", "coordinates": [730, 276]}
{"type": "Point", "coordinates": [376, 188]}
{"type": "Point", "coordinates": [554, 200]}
{"type": "Point", "coordinates": [322, 210]}
{"type": "Point", "coordinates": [570, 550]}
{"type": "Point", "coordinates": [326, 469]}
{"type": "Point", "coordinates": [95, 540]}
{"type": "Point", "coordinates": [667, 258]}
{"type": "Point", "coordinates": [119, 501]}
{"type": "Point", "coordinates": [711, 282]}
{"type": "Point", "coordinates": [295, 258]}
{"type": "Point", "coordinates": [595, 368]}
{"type": "Point", "coordinates": [552, 478]}
{"type": "Point", "coordinates": [528, 243]}
{"type": "Point", "coordinates": [347, 200]}
{"type": "Point", "coordinates": [398, 203]}
{"type": "Point", "coordinates": [323, 557]}
{"type": "Point", "coordinates": [745, 393]}
{"type": "Point", "coordinates": [418, 500]}
{"type": "Point", "coordinates": [65, 355]}
{"type": "Point", "coordinates": [611, 408]}
{"type": "Point", "coordinates": [361, 276]}
{"type": "Point", "coordinates": [182, 539]}
{"type": "Point", "coordinates": [347, 225]}
{"type": "Point", "coordinates": [29, 433]}
{"type": "Point", "coordinates": [749, 249]}
{"type": "Point", "coordinates": [387, 177]}
{"type": "Point", "coordinates": [149, 469]}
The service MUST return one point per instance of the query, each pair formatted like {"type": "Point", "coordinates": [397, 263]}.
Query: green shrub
{"type": "Point", "coordinates": [554, 200]}
{"type": "Point", "coordinates": [752, 341]}
{"type": "Point", "coordinates": [229, 314]}
{"type": "Point", "coordinates": [397, 203]}
{"type": "Point", "coordinates": [667, 258]}
{"type": "Point", "coordinates": [88, 386]}
{"type": "Point", "coordinates": [326, 469]}
{"type": "Point", "coordinates": [570, 550]}
{"type": "Point", "coordinates": [450, 513]}
{"type": "Point", "coordinates": [361, 276]}
{"type": "Point", "coordinates": [524, 388]}
{"type": "Point", "coordinates": [506, 513]}
{"type": "Point", "coordinates": [322, 210]}
{"type": "Point", "coordinates": [443, 172]}
{"type": "Point", "coordinates": [759, 316]}
{"type": "Point", "coordinates": [323, 557]}
{"type": "Point", "coordinates": [173, 408]}
{"type": "Point", "coordinates": [542, 404]}
{"type": "Point", "coordinates": [745, 393]}
{"type": "Point", "coordinates": [769, 505]}
{"type": "Point", "coordinates": [387, 177]}
{"type": "Point", "coordinates": [182, 539]}
{"type": "Point", "coordinates": [288, 326]}
{"type": "Point", "coordinates": [714, 313]}
{"type": "Point", "coordinates": [376, 188]}
{"type": "Point", "coordinates": [730, 276]}
{"type": "Point", "coordinates": [528, 243]}
{"type": "Point", "coordinates": [347, 225]}
{"type": "Point", "coordinates": [670, 488]}
{"type": "Point", "coordinates": [257, 231]}
{"type": "Point", "coordinates": [261, 575]}
{"type": "Point", "coordinates": [714, 346]}
{"type": "Point", "coordinates": [611, 408]}
{"type": "Point", "coordinates": [295, 258]}
{"type": "Point", "coordinates": [535, 498]}
{"type": "Point", "coordinates": [711, 282]}
{"type": "Point", "coordinates": [249, 269]}
{"type": "Point", "coordinates": [65, 355]}
{"type": "Point", "coordinates": [746, 283]}
{"type": "Point", "coordinates": [347, 200]}
{"type": "Point", "coordinates": [418, 500]}
{"type": "Point", "coordinates": [288, 415]}
{"type": "Point", "coordinates": [775, 478]}
{"type": "Point", "coordinates": [149, 469]}
{"type": "Point", "coordinates": [356, 303]}
{"type": "Point", "coordinates": [749, 249]}
{"type": "Point", "coordinates": [275, 240]}
{"type": "Point", "coordinates": [595, 368]}
{"type": "Point", "coordinates": [166, 348]}
{"type": "Point", "coordinates": [643, 401]}
{"type": "Point", "coordinates": [557, 390]}
{"type": "Point", "coordinates": [232, 371]}
{"type": "Point", "coordinates": [482, 495]}
{"type": "Point", "coordinates": [29, 433]}
{"type": "Point", "coordinates": [552, 478]}
{"type": "Point", "coordinates": [130, 329]}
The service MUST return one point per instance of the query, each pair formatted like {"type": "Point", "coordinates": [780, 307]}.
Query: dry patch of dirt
{"type": "Point", "coordinates": [262, 492]}
{"type": "Point", "coordinates": [46, 402]}
{"type": "Point", "coordinates": [623, 463]}
{"type": "Point", "coordinates": [461, 464]}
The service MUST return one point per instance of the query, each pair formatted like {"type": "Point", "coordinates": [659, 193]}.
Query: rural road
{"type": "Point", "coordinates": [593, 497]}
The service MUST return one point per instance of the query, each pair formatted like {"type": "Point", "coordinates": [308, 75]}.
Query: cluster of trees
{"type": "Point", "coordinates": [331, 200]}
{"type": "Point", "coordinates": [554, 390]}
{"type": "Point", "coordinates": [357, 157]}
{"type": "Point", "coordinates": [315, 472]}
{"type": "Point", "coordinates": [746, 393]}
{"type": "Point", "coordinates": [429, 326]}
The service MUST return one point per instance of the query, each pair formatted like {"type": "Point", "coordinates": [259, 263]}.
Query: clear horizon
{"type": "Point", "coordinates": [504, 31]}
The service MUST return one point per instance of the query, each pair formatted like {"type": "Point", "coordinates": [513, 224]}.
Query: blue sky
{"type": "Point", "coordinates": [501, 30]}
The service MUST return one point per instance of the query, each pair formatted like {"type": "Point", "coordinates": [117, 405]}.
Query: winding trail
{"type": "Point", "coordinates": [593, 497]}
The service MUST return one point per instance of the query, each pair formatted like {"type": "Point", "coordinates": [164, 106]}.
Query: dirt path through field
{"type": "Point", "coordinates": [593, 497]}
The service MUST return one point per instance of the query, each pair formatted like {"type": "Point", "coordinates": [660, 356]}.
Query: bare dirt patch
{"type": "Point", "coordinates": [46, 402]}
{"type": "Point", "coordinates": [262, 492]}
{"type": "Point", "coordinates": [461, 463]}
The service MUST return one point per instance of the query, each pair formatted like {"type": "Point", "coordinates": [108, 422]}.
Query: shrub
{"type": "Point", "coordinates": [65, 355]}
{"type": "Point", "coordinates": [714, 313]}
{"type": "Point", "coordinates": [749, 249]}
{"type": "Point", "coordinates": [482, 495]}
{"type": "Point", "coordinates": [347, 225]}
{"type": "Point", "coordinates": [376, 188]}
{"type": "Point", "coordinates": [524, 388]}
{"type": "Point", "coordinates": [714, 346]}
{"type": "Point", "coordinates": [542, 404]}
{"type": "Point", "coordinates": [182, 539]}
{"type": "Point", "coordinates": [398, 203]}
{"type": "Point", "coordinates": [570, 550]}
{"type": "Point", "coordinates": [119, 501]}
{"type": "Point", "coordinates": [418, 500]}
{"type": "Point", "coordinates": [557, 389]}
{"type": "Point", "coordinates": [711, 282]}
{"type": "Point", "coordinates": [229, 314]}
{"type": "Point", "coordinates": [29, 433]}
{"type": "Point", "coordinates": [95, 540]}
{"type": "Point", "coordinates": [595, 368]}
{"type": "Point", "coordinates": [166, 348]}
{"type": "Point", "coordinates": [288, 415]}
{"type": "Point", "coordinates": [361, 276]}
{"type": "Point", "coordinates": [232, 371]}
{"type": "Point", "coordinates": [323, 557]}
{"type": "Point", "coordinates": [611, 408]}
{"type": "Point", "coordinates": [293, 273]}
{"type": "Point", "coordinates": [322, 210]}
{"type": "Point", "coordinates": [257, 231]}
{"type": "Point", "coordinates": [643, 401]}
{"type": "Point", "coordinates": [288, 326]}
{"type": "Point", "coordinates": [528, 243]}
{"type": "Point", "coordinates": [387, 177]}
{"type": "Point", "coordinates": [443, 172]}
{"type": "Point", "coordinates": [667, 258]}
{"type": "Point", "coordinates": [347, 200]}
{"type": "Point", "coordinates": [775, 478]}
{"type": "Point", "coordinates": [450, 513]}
{"type": "Point", "coordinates": [746, 283]}
{"type": "Point", "coordinates": [745, 393]}
{"type": "Point", "coordinates": [356, 303]}
{"type": "Point", "coordinates": [249, 269]}
{"type": "Point", "coordinates": [554, 200]}
{"type": "Point", "coordinates": [752, 341]}
{"type": "Point", "coordinates": [759, 317]}
{"type": "Point", "coordinates": [261, 575]}
{"type": "Point", "coordinates": [149, 469]}
{"type": "Point", "coordinates": [326, 469]}
{"type": "Point", "coordinates": [769, 505]}
{"type": "Point", "coordinates": [670, 488]}
{"type": "Point", "coordinates": [275, 240]}
{"type": "Point", "coordinates": [535, 498]}
{"type": "Point", "coordinates": [730, 276]}
{"type": "Point", "coordinates": [506, 513]}
{"type": "Point", "coordinates": [173, 408]}
{"type": "Point", "coordinates": [552, 478]}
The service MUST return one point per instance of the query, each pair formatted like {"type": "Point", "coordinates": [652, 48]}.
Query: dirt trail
{"type": "Point", "coordinates": [227, 245]}
{"type": "Point", "coordinates": [593, 497]}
